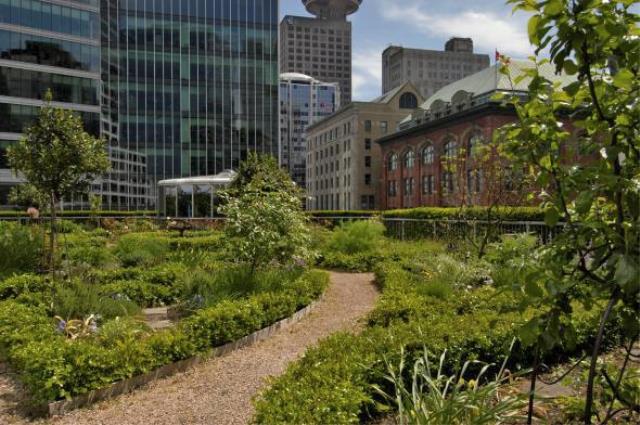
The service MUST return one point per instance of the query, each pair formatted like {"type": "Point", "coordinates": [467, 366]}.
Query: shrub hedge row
{"type": "Point", "coordinates": [53, 367]}
{"type": "Point", "coordinates": [473, 213]}
{"type": "Point", "coordinates": [85, 213]}
{"type": "Point", "coordinates": [342, 214]}
{"type": "Point", "coordinates": [333, 382]}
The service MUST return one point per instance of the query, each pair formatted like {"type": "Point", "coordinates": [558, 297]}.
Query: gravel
{"type": "Point", "coordinates": [220, 391]}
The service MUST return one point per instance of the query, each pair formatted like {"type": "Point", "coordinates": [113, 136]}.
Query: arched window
{"type": "Point", "coordinates": [393, 162]}
{"type": "Point", "coordinates": [428, 155]}
{"type": "Point", "coordinates": [409, 159]}
{"type": "Point", "coordinates": [451, 149]}
{"type": "Point", "coordinates": [474, 141]}
{"type": "Point", "coordinates": [408, 101]}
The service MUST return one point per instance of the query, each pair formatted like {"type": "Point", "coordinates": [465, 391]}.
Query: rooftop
{"type": "Point", "coordinates": [332, 8]}
{"type": "Point", "coordinates": [478, 88]}
{"type": "Point", "coordinates": [224, 177]}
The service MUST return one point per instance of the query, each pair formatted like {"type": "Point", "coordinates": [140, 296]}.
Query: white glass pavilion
{"type": "Point", "coordinates": [192, 197]}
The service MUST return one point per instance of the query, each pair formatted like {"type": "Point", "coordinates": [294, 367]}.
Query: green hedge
{"type": "Point", "coordinates": [474, 213]}
{"type": "Point", "coordinates": [333, 382]}
{"type": "Point", "coordinates": [53, 367]}
{"type": "Point", "coordinates": [84, 213]}
{"type": "Point", "coordinates": [342, 214]}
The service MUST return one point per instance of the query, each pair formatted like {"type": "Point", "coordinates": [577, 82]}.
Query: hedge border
{"type": "Point", "coordinates": [59, 408]}
{"type": "Point", "coordinates": [84, 213]}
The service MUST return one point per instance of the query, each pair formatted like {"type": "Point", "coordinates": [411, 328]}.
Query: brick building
{"type": "Point", "coordinates": [417, 158]}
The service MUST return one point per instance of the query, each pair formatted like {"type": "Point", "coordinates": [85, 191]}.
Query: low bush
{"type": "Point", "coordinates": [205, 289]}
{"type": "Point", "coordinates": [471, 213]}
{"type": "Point", "coordinates": [356, 237]}
{"type": "Point", "coordinates": [95, 256]}
{"type": "Point", "coordinates": [140, 250]}
{"type": "Point", "coordinates": [22, 284]}
{"type": "Point", "coordinates": [334, 382]}
{"type": "Point", "coordinates": [76, 300]}
{"type": "Point", "coordinates": [53, 367]}
{"type": "Point", "coordinates": [20, 248]}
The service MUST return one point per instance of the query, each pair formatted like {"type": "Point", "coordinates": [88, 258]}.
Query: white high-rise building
{"type": "Point", "coordinates": [303, 101]}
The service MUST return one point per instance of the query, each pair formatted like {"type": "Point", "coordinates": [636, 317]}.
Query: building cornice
{"type": "Point", "coordinates": [480, 110]}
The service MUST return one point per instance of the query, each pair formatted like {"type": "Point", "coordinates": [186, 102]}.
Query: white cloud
{"type": "Point", "coordinates": [490, 30]}
{"type": "Point", "coordinates": [367, 73]}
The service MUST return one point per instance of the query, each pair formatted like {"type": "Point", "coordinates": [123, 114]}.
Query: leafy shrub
{"type": "Point", "coordinates": [21, 284]}
{"type": "Point", "coordinates": [95, 256]}
{"type": "Point", "coordinates": [511, 247]}
{"type": "Point", "coordinates": [356, 237]}
{"type": "Point", "coordinates": [334, 382]}
{"type": "Point", "coordinates": [138, 250]}
{"type": "Point", "coordinates": [21, 248]}
{"type": "Point", "coordinates": [53, 368]}
{"type": "Point", "coordinates": [76, 300]}
{"type": "Point", "coordinates": [68, 226]}
{"type": "Point", "coordinates": [204, 289]}
{"type": "Point", "coordinates": [144, 294]}
{"type": "Point", "coordinates": [471, 213]}
{"type": "Point", "coordinates": [434, 397]}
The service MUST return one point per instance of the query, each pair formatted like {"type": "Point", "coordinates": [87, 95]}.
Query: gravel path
{"type": "Point", "coordinates": [220, 391]}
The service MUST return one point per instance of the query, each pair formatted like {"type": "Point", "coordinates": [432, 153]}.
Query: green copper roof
{"type": "Point", "coordinates": [486, 82]}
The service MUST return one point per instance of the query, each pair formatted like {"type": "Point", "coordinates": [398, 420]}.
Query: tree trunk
{"type": "Point", "coordinates": [594, 358]}
{"type": "Point", "coordinates": [52, 238]}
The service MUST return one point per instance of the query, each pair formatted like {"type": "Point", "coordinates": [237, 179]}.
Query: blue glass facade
{"type": "Point", "coordinates": [46, 45]}
{"type": "Point", "coordinates": [192, 84]}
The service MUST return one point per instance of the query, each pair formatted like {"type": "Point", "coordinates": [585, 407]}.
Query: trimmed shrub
{"type": "Point", "coordinates": [334, 382]}
{"type": "Point", "coordinates": [22, 284]}
{"type": "Point", "coordinates": [470, 213]}
{"type": "Point", "coordinates": [141, 250]}
{"type": "Point", "coordinates": [356, 237]}
{"type": "Point", "coordinates": [54, 368]}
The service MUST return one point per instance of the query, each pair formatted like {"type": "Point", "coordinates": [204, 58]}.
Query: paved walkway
{"type": "Point", "coordinates": [220, 391]}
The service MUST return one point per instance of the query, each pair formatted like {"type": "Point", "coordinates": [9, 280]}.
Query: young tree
{"type": "Point", "coordinates": [58, 158]}
{"type": "Point", "coordinates": [264, 217]}
{"type": "Point", "coordinates": [595, 262]}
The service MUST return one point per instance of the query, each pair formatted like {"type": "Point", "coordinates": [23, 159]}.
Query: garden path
{"type": "Point", "coordinates": [220, 391]}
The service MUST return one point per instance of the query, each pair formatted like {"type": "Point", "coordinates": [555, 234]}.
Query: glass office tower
{"type": "Point", "coordinates": [191, 84]}
{"type": "Point", "coordinates": [303, 101]}
{"type": "Point", "coordinates": [46, 45]}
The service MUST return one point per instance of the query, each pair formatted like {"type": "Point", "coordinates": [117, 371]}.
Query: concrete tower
{"type": "Point", "coordinates": [332, 9]}
{"type": "Point", "coordinates": [320, 46]}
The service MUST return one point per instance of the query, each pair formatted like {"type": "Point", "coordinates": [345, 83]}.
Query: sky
{"type": "Point", "coordinates": [426, 24]}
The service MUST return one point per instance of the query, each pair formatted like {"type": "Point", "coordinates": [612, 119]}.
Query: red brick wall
{"type": "Point", "coordinates": [459, 131]}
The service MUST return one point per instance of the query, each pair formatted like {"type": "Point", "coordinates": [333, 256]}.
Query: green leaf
{"type": "Point", "coordinates": [533, 29]}
{"type": "Point", "coordinates": [532, 289]}
{"type": "Point", "coordinates": [623, 79]}
{"type": "Point", "coordinates": [554, 7]}
{"type": "Point", "coordinates": [584, 202]}
{"type": "Point", "coordinates": [628, 274]}
{"type": "Point", "coordinates": [570, 67]}
{"type": "Point", "coordinates": [551, 216]}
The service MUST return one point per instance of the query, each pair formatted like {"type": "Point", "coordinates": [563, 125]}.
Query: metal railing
{"type": "Point", "coordinates": [398, 228]}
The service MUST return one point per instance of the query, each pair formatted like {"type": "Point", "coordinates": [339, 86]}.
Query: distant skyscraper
{"type": "Point", "coordinates": [303, 101]}
{"type": "Point", "coordinates": [46, 45]}
{"type": "Point", "coordinates": [192, 85]}
{"type": "Point", "coordinates": [321, 46]}
{"type": "Point", "coordinates": [430, 70]}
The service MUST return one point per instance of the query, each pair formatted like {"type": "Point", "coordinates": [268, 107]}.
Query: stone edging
{"type": "Point", "coordinates": [61, 407]}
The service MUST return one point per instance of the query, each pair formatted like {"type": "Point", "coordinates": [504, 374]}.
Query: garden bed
{"type": "Point", "coordinates": [109, 278]}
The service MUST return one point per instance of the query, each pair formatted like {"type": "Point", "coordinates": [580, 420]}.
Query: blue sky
{"type": "Point", "coordinates": [425, 24]}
